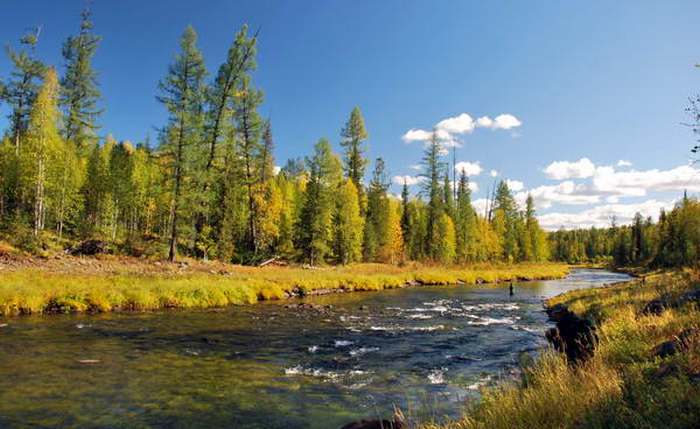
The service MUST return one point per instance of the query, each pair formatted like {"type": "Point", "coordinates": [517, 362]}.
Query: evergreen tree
{"type": "Point", "coordinates": [21, 89]}
{"type": "Point", "coordinates": [506, 222]}
{"type": "Point", "coordinates": [353, 135]}
{"type": "Point", "coordinates": [405, 213]}
{"type": "Point", "coordinates": [376, 225]}
{"type": "Point", "coordinates": [432, 173]}
{"type": "Point", "coordinates": [315, 226]}
{"type": "Point", "coordinates": [249, 128]}
{"type": "Point", "coordinates": [465, 221]}
{"type": "Point", "coordinates": [182, 93]}
{"type": "Point", "coordinates": [79, 85]}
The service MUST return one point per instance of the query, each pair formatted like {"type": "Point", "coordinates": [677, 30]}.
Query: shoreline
{"type": "Point", "coordinates": [90, 285]}
{"type": "Point", "coordinates": [618, 350]}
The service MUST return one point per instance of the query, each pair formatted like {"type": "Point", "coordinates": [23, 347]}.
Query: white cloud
{"type": "Point", "coordinates": [562, 170]}
{"type": "Point", "coordinates": [566, 192]}
{"type": "Point", "coordinates": [515, 185]}
{"type": "Point", "coordinates": [409, 180]}
{"type": "Point", "coordinates": [469, 168]}
{"type": "Point", "coordinates": [484, 122]}
{"type": "Point", "coordinates": [505, 121]}
{"type": "Point", "coordinates": [480, 205]}
{"type": "Point", "coordinates": [493, 173]}
{"type": "Point", "coordinates": [601, 216]}
{"type": "Point", "coordinates": [460, 124]}
{"type": "Point", "coordinates": [415, 134]}
{"type": "Point", "coordinates": [448, 129]}
{"type": "Point", "coordinates": [624, 163]}
{"type": "Point", "coordinates": [639, 183]}
{"type": "Point", "coordinates": [474, 186]}
{"type": "Point", "coordinates": [416, 167]}
{"type": "Point", "coordinates": [276, 170]}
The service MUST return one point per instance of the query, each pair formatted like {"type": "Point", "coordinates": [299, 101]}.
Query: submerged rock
{"type": "Point", "coordinates": [572, 335]}
{"type": "Point", "coordinates": [398, 422]}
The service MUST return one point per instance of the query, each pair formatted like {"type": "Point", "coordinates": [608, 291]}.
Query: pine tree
{"type": "Point", "coordinates": [433, 172]}
{"type": "Point", "coordinates": [22, 88]}
{"type": "Point", "coordinates": [465, 221]}
{"type": "Point", "coordinates": [377, 212]}
{"type": "Point", "coordinates": [506, 222]}
{"type": "Point", "coordinates": [249, 128]}
{"type": "Point", "coordinates": [79, 85]}
{"type": "Point", "coordinates": [182, 93]}
{"type": "Point", "coordinates": [315, 226]}
{"type": "Point", "coordinates": [405, 213]}
{"type": "Point", "coordinates": [353, 135]}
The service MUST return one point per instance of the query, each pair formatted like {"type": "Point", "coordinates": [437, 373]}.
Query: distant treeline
{"type": "Point", "coordinates": [673, 241]}
{"type": "Point", "coordinates": [209, 187]}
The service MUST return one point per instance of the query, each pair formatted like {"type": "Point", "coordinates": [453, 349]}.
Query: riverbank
{"type": "Point", "coordinates": [645, 371]}
{"type": "Point", "coordinates": [104, 284]}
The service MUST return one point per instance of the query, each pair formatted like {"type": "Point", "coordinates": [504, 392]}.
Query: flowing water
{"type": "Point", "coordinates": [355, 355]}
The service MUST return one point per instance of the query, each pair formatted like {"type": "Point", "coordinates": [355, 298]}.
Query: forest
{"type": "Point", "coordinates": [209, 187]}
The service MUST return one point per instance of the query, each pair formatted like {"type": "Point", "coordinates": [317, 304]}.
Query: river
{"type": "Point", "coordinates": [354, 355]}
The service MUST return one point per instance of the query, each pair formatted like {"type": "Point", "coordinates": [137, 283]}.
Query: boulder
{"type": "Point", "coordinates": [678, 343]}
{"type": "Point", "coordinates": [573, 335]}
{"type": "Point", "coordinates": [89, 248]}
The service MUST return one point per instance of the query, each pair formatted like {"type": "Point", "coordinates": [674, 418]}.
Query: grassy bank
{"type": "Point", "coordinates": [628, 383]}
{"type": "Point", "coordinates": [84, 285]}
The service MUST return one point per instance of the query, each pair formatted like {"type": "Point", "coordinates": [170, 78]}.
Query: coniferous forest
{"type": "Point", "coordinates": [207, 186]}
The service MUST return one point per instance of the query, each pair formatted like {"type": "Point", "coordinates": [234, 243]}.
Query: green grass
{"type": "Point", "coordinates": [623, 386]}
{"type": "Point", "coordinates": [35, 290]}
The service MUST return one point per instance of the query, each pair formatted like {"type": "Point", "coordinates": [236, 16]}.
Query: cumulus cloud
{"type": "Point", "coordinates": [276, 170]}
{"type": "Point", "coordinates": [515, 185]}
{"type": "Point", "coordinates": [473, 186]}
{"type": "Point", "coordinates": [415, 134]}
{"type": "Point", "coordinates": [624, 163]}
{"type": "Point", "coordinates": [562, 170]}
{"type": "Point", "coordinates": [416, 167]}
{"type": "Point", "coordinates": [639, 183]}
{"type": "Point", "coordinates": [505, 122]}
{"type": "Point", "coordinates": [469, 168]}
{"type": "Point", "coordinates": [409, 180]}
{"type": "Point", "coordinates": [493, 173]}
{"type": "Point", "coordinates": [460, 124]}
{"type": "Point", "coordinates": [449, 129]}
{"type": "Point", "coordinates": [602, 216]}
{"type": "Point", "coordinates": [566, 192]}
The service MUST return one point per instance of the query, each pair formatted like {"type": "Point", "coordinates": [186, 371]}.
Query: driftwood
{"type": "Point", "coordinates": [269, 261]}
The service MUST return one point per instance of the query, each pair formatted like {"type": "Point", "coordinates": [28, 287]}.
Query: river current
{"type": "Point", "coordinates": [343, 357]}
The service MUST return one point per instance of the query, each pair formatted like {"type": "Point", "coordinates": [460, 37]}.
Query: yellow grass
{"type": "Point", "coordinates": [624, 385]}
{"type": "Point", "coordinates": [36, 290]}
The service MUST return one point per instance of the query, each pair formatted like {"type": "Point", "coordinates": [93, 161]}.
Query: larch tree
{"type": "Point", "coordinates": [347, 224]}
{"type": "Point", "coordinates": [353, 135]}
{"type": "Point", "coordinates": [79, 85]}
{"type": "Point", "coordinates": [433, 169]}
{"type": "Point", "coordinates": [182, 93]}
{"type": "Point", "coordinates": [219, 126]}
{"type": "Point", "coordinates": [248, 130]}
{"type": "Point", "coordinates": [375, 231]}
{"type": "Point", "coordinates": [315, 225]}
{"type": "Point", "coordinates": [43, 149]}
{"type": "Point", "coordinates": [22, 88]}
{"type": "Point", "coordinates": [465, 221]}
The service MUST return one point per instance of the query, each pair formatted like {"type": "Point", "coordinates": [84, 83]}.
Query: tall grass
{"type": "Point", "coordinates": [29, 291]}
{"type": "Point", "coordinates": [624, 385]}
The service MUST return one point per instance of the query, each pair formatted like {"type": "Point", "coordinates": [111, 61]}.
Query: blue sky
{"type": "Point", "coordinates": [606, 81]}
